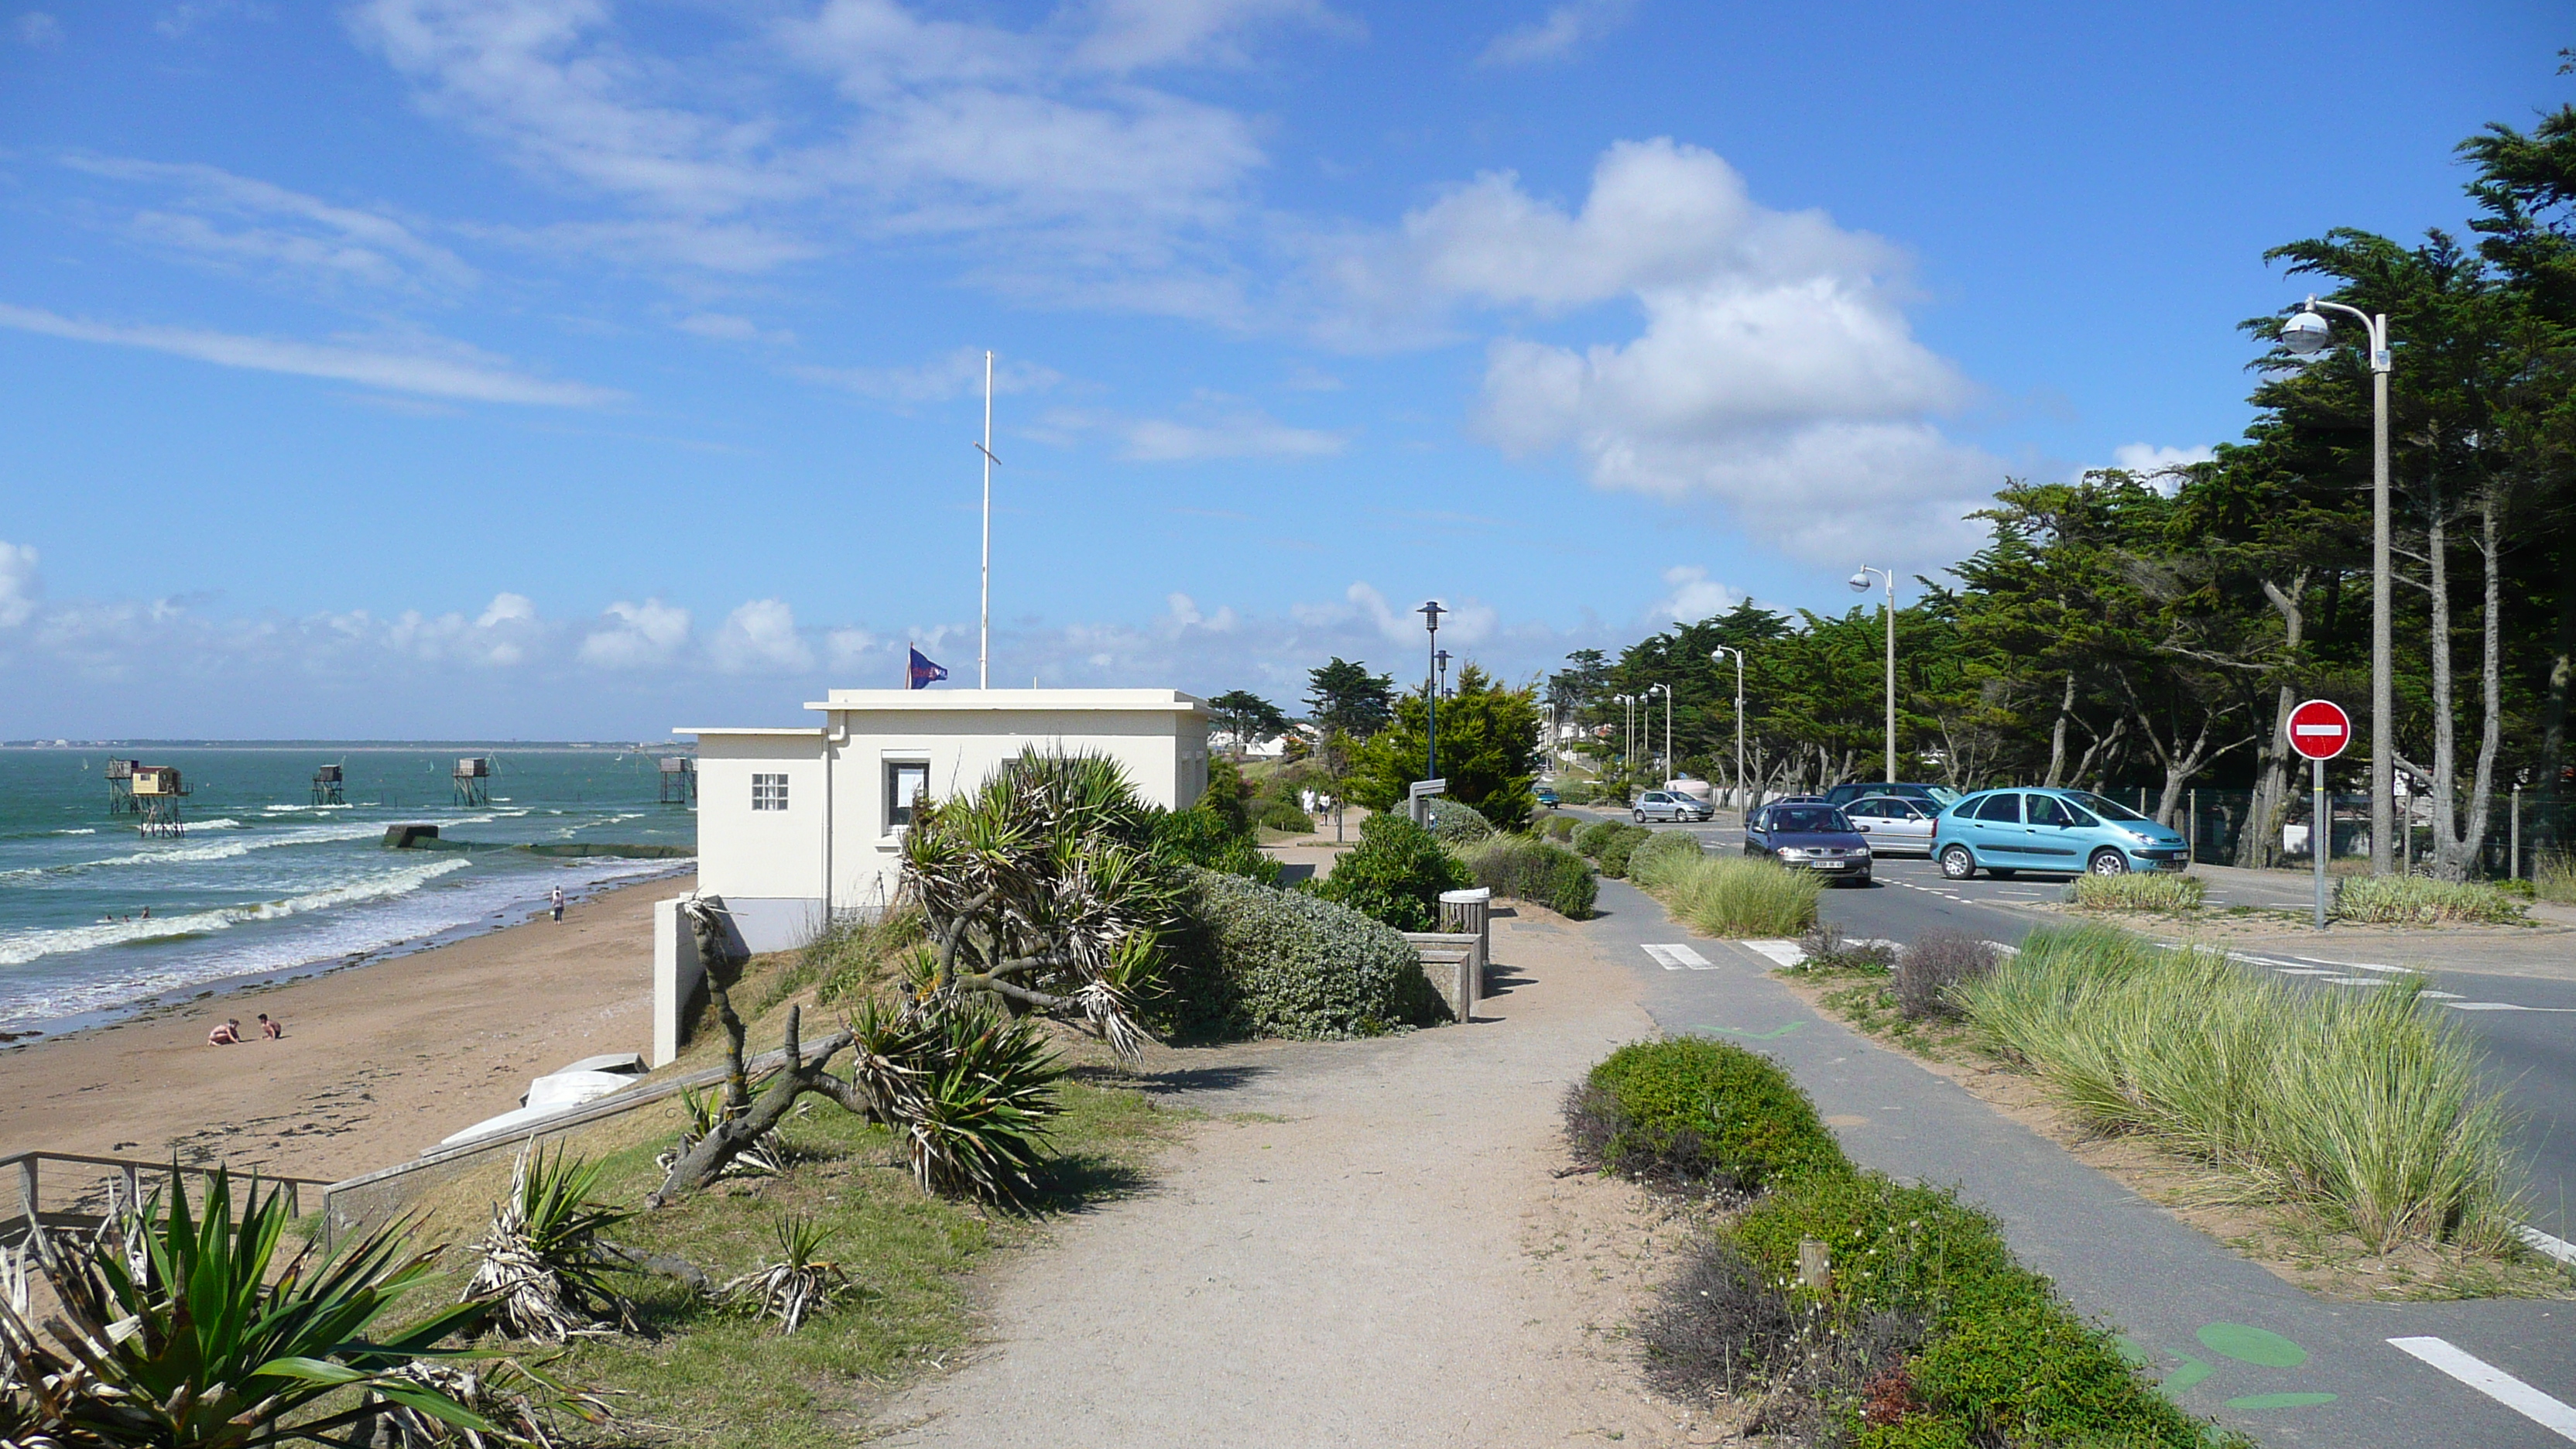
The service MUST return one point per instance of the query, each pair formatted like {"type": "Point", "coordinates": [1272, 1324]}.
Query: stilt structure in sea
{"type": "Point", "coordinates": [473, 780]}
{"type": "Point", "coordinates": [157, 793]}
{"type": "Point", "coordinates": [679, 780]}
{"type": "Point", "coordinates": [120, 786]}
{"type": "Point", "coordinates": [326, 786]}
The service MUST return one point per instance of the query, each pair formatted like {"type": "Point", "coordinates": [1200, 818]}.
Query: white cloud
{"type": "Point", "coordinates": [20, 585]}
{"type": "Point", "coordinates": [953, 375]}
{"type": "Point", "coordinates": [1182, 612]}
{"type": "Point", "coordinates": [761, 636]}
{"type": "Point", "coordinates": [1774, 375]}
{"type": "Point", "coordinates": [1558, 34]}
{"type": "Point", "coordinates": [644, 635]}
{"type": "Point", "coordinates": [39, 29]}
{"type": "Point", "coordinates": [1212, 426]}
{"type": "Point", "coordinates": [240, 222]}
{"type": "Point", "coordinates": [2159, 464]}
{"type": "Point", "coordinates": [501, 637]}
{"type": "Point", "coordinates": [850, 649]}
{"type": "Point", "coordinates": [724, 327]}
{"type": "Point", "coordinates": [430, 367]}
{"type": "Point", "coordinates": [1694, 596]}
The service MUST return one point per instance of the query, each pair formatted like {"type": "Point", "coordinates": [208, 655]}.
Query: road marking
{"type": "Point", "coordinates": [2540, 1242]}
{"type": "Point", "coordinates": [2501, 1006]}
{"type": "Point", "coordinates": [2493, 1382]}
{"type": "Point", "coordinates": [1787, 953]}
{"type": "Point", "coordinates": [1680, 958]}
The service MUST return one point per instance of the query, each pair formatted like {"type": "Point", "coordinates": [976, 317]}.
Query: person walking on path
{"type": "Point", "coordinates": [556, 900]}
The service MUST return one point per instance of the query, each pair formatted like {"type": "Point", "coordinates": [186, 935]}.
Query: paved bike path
{"type": "Point", "coordinates": [2229, 1339]}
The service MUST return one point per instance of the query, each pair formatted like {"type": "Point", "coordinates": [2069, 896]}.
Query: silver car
{"type": "Point", "coordinates": [1670, 805]}
{"type": "Point", "coordinates": [1894, 822]}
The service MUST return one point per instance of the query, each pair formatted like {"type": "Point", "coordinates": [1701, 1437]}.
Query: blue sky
{"type": "Point", "coordinates": [581, 368]}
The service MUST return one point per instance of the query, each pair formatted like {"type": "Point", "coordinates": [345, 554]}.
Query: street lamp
{"type": "Point", "coordinates": [1742, 800]}
{"type": "Point", "coordinates": [1627, 734]}
{"type": "Point", "coordinates": [1668, 725]}
{"type": "Point", "coordinates": [1440, 658]}
{"type": "Point", "coordinates": [2303, 335]}
{"type": "Point", "coordinates": [1860, 585]}
{"type": "Point", "coordinates": [1431, 612]}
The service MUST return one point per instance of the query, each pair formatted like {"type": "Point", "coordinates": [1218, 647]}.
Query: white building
{"type": "Point", "coordinates": [796, 826]}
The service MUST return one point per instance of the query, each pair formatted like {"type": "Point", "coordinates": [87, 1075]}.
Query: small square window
{"type": "Point", "coordinates": [768, 792]}
{"type": "Point", "coordinates": [906, 782]}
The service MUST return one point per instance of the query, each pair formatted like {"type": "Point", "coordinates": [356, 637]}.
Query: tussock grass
{"type": "Point", "coordinates": [2138, 892]}
{"type": "Point", "coordinates": [1730, 895]}
{"type": "Point", "coordinates": [2410, 900]}
{"type": "Point", "coordinates": [2553, 878]}
{"type": "Point", "coordinates": [2356, 1104]}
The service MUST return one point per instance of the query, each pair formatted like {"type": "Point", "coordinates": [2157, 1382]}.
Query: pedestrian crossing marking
{"type": "Point", "coordinates": [1680, 958]}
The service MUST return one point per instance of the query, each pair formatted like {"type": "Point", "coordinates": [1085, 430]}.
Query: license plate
{"type": "Point", "coordinates": [1826, 864]}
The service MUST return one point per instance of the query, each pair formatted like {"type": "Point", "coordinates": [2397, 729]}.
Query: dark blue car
{"type": "Point", "coordinates": [1815, 837]}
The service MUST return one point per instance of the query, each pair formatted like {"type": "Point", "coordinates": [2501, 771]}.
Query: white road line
{"type": "Point", "coordinates": [2493, 1382]}
{"type": "Point", "coordinates": [1680, 958]}
{"type": "Point", "coordinates": [1787, 953]}
{"type": "Point", "coordinates": [2540, 1242]}
{"type": "Point", "coordinates": [2502, 1006]}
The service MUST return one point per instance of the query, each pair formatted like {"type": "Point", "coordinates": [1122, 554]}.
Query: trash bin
{"type": "Point", "coordinates": [1469, 913]}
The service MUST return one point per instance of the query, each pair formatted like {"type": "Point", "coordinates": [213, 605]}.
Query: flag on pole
{"type": "Point", "coordinates": [924, 672]}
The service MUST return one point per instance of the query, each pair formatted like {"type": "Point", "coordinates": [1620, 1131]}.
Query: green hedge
{"type": "Point", "coordinates": [1662, 853]}
{"type": "Point", "coordinates": [1284, 815]}
{"type": "Point", "coordinates": [1395, 874]}
{"type": "Point", "coordinates": [1457, 822]}
{"type": "Point", "coordinates": [1206, 838]}
{"type": "Point", "coordinates": [1611, 842]}
{"type": "Point", "coordinates": [1693, 1111]}
{"type": "Point", "coordinates": [1250, 960]}
{"type": "Point", "coordinates": [1532, 870]}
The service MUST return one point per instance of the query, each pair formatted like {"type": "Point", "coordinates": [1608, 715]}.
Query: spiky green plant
{"type": "Point", "coordinates": [2138, 892]}
{"type": "Point", "coordinates": [1043, 888]}
{"type": "Point", "coordinates": [2416, 901]}
{"type": "Point", "coordinates": [181, 1330]}
{"type": "Point", "coordinates": [968, 1087]}
{"type": "Point", "coordinates": [1729, 895]}
{"type": "Point", "coordinates": [540, 1264]}
{"type": "Point", "coordinates": [797, 1286]}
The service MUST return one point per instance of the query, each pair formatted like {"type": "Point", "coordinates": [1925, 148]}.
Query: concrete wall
{"type": "Point", "coordinates": [679, 980]}
{"type": "Point", "coordinates": [762, 854]}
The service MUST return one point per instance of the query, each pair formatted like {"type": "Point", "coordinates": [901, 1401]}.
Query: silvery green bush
{"type": "Point", "coordinates": [1252, 960]}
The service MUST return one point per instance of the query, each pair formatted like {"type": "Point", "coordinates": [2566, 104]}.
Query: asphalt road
{"type": "Point", "coordinates": [2226, 1337]}
{"type": "Point", "coordinates": [2528, 1025]}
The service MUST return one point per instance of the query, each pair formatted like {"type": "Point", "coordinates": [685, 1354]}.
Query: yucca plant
{"type": "Point", "coordinates": [541, 1266]}
{"type": "Point", "coordinates": [176, 1330]}
{"type": "Point", "coordinates": [968, 1088]}
{"type": "Point", "coordinates": [526, 1404]}
{"type": "Point", "coordinates": [766, 1155]}
{"type": "Point", "coordinates": [796, 1287]}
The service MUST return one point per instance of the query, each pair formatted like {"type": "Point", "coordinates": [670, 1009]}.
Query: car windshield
{"type": "Point", "coordinates": [1943, 794]}
{"type": "Point", "coordinates": [1809, 820]}
{"type": "Point", "coordinates": [2106, 808]}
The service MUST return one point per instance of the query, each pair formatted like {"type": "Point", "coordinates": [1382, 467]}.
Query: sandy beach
{"type": "Point", "coordinates": [378, 1062]}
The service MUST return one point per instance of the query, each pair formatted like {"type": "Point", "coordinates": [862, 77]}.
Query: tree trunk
{"type": "Point", "coordinates": [2552, 765]}
{"type": "Point", "coordinates": [798, 1074]}
{"type": "Point", "coordinates": [2461, 834]}
{"type": "Point", "coordinates": [2443, 785]}
{"type": "Point", "coordinates": [2259, 843]}
{"type": "Point", "coordinates": [2057, 733]}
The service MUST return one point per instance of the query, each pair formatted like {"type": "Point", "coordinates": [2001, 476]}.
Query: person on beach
{"type": "Point", "coordinates": [226, 1033]}
{"type": "Point", "coordinates": [556, 900]}
{"type": "Point", "coordinates": [270, 1029]}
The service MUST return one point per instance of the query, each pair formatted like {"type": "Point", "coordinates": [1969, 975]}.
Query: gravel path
{"type": "Point", "coordinates": [1366, 1243]}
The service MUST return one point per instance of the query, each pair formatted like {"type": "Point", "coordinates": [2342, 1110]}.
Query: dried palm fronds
{"type": "Point", "coordinates": [524, 1405]}
{"type": "Point", "coordinates": [543, 1272]}
{"type": "Point", "coordinates": [767, 1155]}
{"type": "Point", "coordinates": [794, 1289]}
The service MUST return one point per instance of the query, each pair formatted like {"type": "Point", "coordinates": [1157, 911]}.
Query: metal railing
{"type": "Point", "coordinates": [85, 1209]}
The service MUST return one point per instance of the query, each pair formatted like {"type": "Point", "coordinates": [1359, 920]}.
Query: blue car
{"type": "Point", "coordinates": [1814, 837]}
{"type": "Point", "coordinates": [2064, 832]}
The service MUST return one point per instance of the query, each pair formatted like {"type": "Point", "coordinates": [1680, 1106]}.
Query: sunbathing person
{"type": "Point", "coordinates": [226, 1033]}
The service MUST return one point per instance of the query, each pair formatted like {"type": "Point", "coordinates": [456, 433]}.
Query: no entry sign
{"type": "Point", "coordinates": [2319, 729]}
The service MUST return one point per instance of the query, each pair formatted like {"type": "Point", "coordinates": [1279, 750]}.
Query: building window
{"type": "Point", "coordinates": [906, 782]}
{"type": "Point", "coordinates": [769, 792]}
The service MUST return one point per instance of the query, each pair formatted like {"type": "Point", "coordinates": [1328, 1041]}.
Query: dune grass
{"type": "Point", "coordinates": [2171, 893]}
{"type": "Point", "coordinates": [2412, 900]}
{"type": "Point", "coordinates": [2553, 878]}
{"type": "Point", "coordinates": [2354, 1103]}
{"type": "Point", "coordinates": [1730, 895]}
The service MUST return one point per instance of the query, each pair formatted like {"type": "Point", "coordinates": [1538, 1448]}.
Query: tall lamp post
{"type": "Point", "coordinates": [1431, 612]}
{"type": "Point", "coordinates": [1627, 735]}
{"type": "Point", "coordinates": [1668, 725]}
{"type": "Point", "coordinates": [1440, 658]}
{"type": "Point", "coordinates": [1742, 800]}
{"type": "Point", "coordinates": [2305, 334]}
{"type": "Point", "coordinates": [1860, 585]}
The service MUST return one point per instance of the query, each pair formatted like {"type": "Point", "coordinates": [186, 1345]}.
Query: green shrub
{"type": "Point", "coordinates": [2138, 892]}
{"type": "Point", "coordinates": [1590, 838]}
{"type": "Point", "coordinates": [1611, 842]}
{"type": "Point", "coordinates": [1457, 822]}
{"type": "Point", "coordinates": [1531, 870]}
{"type": "Point", "coordinates": [2355, 1103]}
{"type": "Point", "coordinates": [2411, 900]}
{"type": "Point", "coordinates": [1734, 895]}
{"type": "Point", "coordinates": [1553, 826]}
{"type": "Point", "coordinates": [1251, 960]}
{"type": "Point", "coordinates": [1660, 855]}
{"type": "Point", "coordinates": [1202, 838]}
{"type": "Point", "coordinates": [1934, 967]}
{"type": "Point", "coordinates": [1225, 797]}
{"type": "Point", "coordinates": [2553, 877]}
{"type": "Point", "coordinates": [1689, 1110]}
{"type": "Point", "coordinates": [1284, 815]}
{"type": "Point", "coordinates": [1395, 875]}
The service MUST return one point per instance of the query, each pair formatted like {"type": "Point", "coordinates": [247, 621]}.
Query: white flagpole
{"type": "Point", "coordinates": [984, 640]}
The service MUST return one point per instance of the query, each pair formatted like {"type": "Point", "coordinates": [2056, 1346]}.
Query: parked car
{"type": "Point", "coordinates": [1670, 805]}
{"type": "Point", "coordinates": [1894, 822]}
{"type": "Point", "coordinates": [1814, 837]}
{"type": "Point", "coordinates": [1936, 796]}
{"type": "Point", "coordinates": [2066, 832]}
{"type": "Point", "coordinates": [1545, 795]}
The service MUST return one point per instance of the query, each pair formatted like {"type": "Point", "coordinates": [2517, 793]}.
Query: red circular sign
{"type": "Point", "coordinates": [2319, 729]}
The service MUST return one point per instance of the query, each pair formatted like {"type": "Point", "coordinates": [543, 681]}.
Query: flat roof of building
{"type": "Point", "coordinates": [936, 701]}
{"type": "Point", "coordinates": [808, 731]}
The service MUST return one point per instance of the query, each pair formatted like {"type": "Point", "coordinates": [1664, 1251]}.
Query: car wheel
{"type": "Point", "coordinates": [1640, 814]}
{"type": "Point", "coordinates": [2108, 862]}
{"type": "Point", "coordinates": [1957, 863]}
{"type": "Point", "coordinates": [1861, 879]}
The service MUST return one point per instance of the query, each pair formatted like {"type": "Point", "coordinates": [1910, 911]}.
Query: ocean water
{"type": "Point", "coordinates": [265, 883]}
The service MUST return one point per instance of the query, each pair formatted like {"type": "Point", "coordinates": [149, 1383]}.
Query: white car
{"type": "Point", "coordinates": [1894, 822]}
